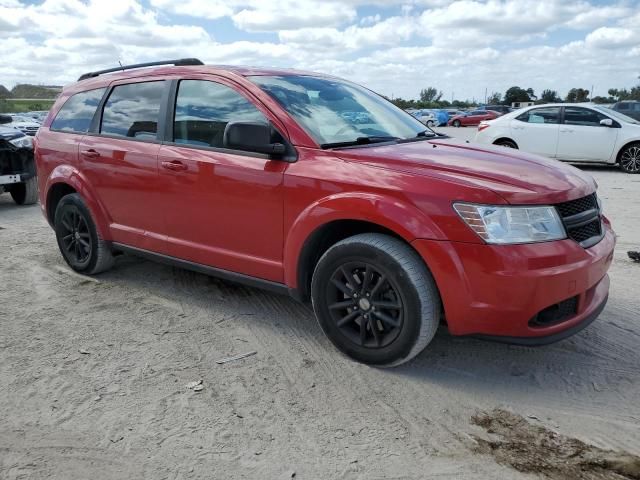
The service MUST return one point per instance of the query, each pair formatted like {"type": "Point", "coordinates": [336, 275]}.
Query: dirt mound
{"type": "Point", "coordinates": [534, 449]}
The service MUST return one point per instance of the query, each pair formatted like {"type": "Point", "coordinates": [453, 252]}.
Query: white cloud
{"type": "Point", "coordinates": [396, 47]}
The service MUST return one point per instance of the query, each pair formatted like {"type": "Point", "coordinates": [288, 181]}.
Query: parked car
{"type": "Point", "coordinates": [427, 117]}
{"type": "Point", "coordinates": [630, 108]}
{"type": "Point", "coordinates": [501, 109]}
{"type": "Point", "coordinates": [17, 168]}
{"type": "Point", "coordinates": [387, 228]}
{"type": "Point", "coordinates": [471, 118]}
{"type": "Point", "coordinates": [25, 125]}
{"type": "Point", "coordinates": [572, 132]}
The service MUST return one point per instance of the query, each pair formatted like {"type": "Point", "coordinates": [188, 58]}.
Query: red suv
{"type": "Point", "coordinates": [316, 187]}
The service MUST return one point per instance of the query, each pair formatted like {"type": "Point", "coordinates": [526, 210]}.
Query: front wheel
{"type": "Point", "coordinates": [79, 241]}
{"type": "Point", "coordinates": [375, 299]}
{"type": "Point", "coordinates": [430, 123]}
{"type": "Point", "coordinates": [456, 123]}
{"type": "Point", "coordinates": [630, 158]}
{"type": "Point", "coordinates": [25, 193]}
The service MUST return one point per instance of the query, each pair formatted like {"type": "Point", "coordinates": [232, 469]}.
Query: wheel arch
{"type": "Point", "coordinates": [66, 179]}
{"type": "Point", "coordinates": [327, 222]}
{"type": "Point", "coordinates": [505, 139]}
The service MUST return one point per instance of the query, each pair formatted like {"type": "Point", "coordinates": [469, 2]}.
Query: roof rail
{"type": "Point", "coordinates": [178, 62]}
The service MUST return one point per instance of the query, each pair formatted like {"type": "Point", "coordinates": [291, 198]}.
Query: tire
{"type": "Point", "coordinates": [25, 193]}
{"type": "Point", "coordinates": [629, 158]}
{"type": "Point", "coordinates": [456, 123]}
{"type": "Point", "coordinates": [399, 303]}
{"type": "Point", "coordinates": [81, 245]}
{"type": "Point", "coordinates": [430, 123]}
{"type": "Point", "coordinates": [506, 143]}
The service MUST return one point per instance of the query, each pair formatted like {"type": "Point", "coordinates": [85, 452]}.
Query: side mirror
{"type": "Point", "coordinates": [607, 122]}
{"type": "Point", "coordinates": [251, 137]}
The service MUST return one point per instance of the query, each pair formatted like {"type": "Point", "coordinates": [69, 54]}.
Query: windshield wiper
{"type": "Point", "coordinates": [360, 141]}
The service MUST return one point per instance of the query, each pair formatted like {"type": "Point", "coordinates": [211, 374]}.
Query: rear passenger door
{"type": "Point", "coordinates": [536, 130]}
{"type": "Point", "coordinates": [120, 159]}
{"type": "Point", "coordinates": [223, 208]}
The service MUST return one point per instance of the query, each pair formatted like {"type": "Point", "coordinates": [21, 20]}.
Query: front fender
{"type": "Point", "coordinates": [401, 217]}
{"type": "Point", "coordinates": [66, 174]}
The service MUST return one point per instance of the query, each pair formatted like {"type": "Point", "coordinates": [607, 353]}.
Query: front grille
{"type": "Point", "coordinates": [555, 313]}
{"type": "Point", "coordinates": [580, 205]}
{"type": "Point", "coordinates": [585, 232]}
{"type": "Point", "coordinates": [581, 219]}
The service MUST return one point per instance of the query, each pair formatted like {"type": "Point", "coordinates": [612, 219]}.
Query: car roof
{"type": "Point", "coordinates": [228, 71]}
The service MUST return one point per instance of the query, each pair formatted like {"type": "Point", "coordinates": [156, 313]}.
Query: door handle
{"type": "Point", "coordinates": [91, 153]}
{"type": "Point", "coordinates": [174, 165]}
{"type": "Point", "coordinates": [566, 130]}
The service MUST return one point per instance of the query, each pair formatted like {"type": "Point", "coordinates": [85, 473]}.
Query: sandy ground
{"type": "Point", "coordinates": [93, 375]}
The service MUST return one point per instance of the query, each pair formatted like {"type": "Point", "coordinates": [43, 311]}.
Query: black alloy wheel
{"type": "Point", "coordinates": [375, 299]}
{"type": "Point", "coordinates": [366, 304]}
{"type": "Point", "coordinates": [75, 237]}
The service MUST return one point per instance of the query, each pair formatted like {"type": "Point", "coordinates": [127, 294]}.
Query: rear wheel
{"type": "Point", "coordinates": [375, 299]}
{"type": "Point", "coordinates": [456, 123]}
{"type": "Point", "coordinates": [506, 143]}
{"type": "Point", "coordinates": [79, 241]}
{"type": "Point", "coordinates": [430, 123]}
{"type": "Point", "coordinates": [630, 158]}
{"type": "Point", "coordinates": [25, 193]}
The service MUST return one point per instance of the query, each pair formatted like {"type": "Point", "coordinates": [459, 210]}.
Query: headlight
{"type": "Point", "coordinates": [22, 142]}
{"type": "Point", "coordinates": [505, 225]}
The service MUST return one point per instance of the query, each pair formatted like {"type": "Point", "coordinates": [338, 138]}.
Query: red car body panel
{"type": "Point", "coordinates": [254, 215]}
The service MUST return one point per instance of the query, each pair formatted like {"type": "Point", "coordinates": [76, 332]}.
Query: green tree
{"type": "Point", "coordinates": [430, 94]}
{"type": "Point", "coordinates": [494, 99]}
{"type": "Point", "coordinates": [550, 96]}
{"type": "Point", "coordinates": [577, 95]}
{"type": "Point", "coordinates": [516, 94]}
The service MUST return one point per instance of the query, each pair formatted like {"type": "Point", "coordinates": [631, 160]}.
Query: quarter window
{"type": "Point", "coordinates": [77, 112]}
{"type": "Point", "coordinates": [132, 110]}
{"type": "Point", "coordinates": [540, 115]}
{"type": "Point", "coordinates": [203, 110]}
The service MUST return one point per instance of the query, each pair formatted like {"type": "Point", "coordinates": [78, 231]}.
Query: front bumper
{"type": "Point", "coordinates": [496, 290]}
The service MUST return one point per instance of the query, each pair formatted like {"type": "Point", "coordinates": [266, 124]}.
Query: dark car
{"type": "Point", "coordinates": [630, 108]}
{"type": "Point", "coordinates": [17, 168]}
{"type": "Point", "coordinates": [257, 175]}
{"type": "Point", "coordinates": [501, 109]}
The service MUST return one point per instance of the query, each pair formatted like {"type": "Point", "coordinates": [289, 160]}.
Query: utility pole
{"type": "Point", "coordinates": [485, 95]}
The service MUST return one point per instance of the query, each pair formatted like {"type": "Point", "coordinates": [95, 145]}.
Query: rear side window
{"type": "Point", "coordinates": [540, 115]}
{"type": "Point", "coordinates": [582, 116]}
{"type": "Point", "coordinates": [622, 106]}
{"type": "Point", "coordinates": [204, 108]}
{"type": "Point", "coordinates": [77, 112]}
{"type": "Point", "coordinates": [132, 110]}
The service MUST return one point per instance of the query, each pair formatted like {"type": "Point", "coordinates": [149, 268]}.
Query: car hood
{"type": "Point", "coordinates": [518, 177]}
{"type": "Point", "coordinates": [8, 133]}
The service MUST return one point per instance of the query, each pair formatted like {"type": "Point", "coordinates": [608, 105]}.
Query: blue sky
{"type": "Point", "coordinates": [395, 47]}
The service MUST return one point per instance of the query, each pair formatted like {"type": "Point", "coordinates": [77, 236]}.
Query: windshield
{"type": "Point", "coordinates": [338, 113]}
{"type": "Point", "coordinates": [618, 116]}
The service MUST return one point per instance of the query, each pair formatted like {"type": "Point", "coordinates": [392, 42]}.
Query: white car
{"type": "Point", "coordinates": [28, 126]}
{"type": "Point", "coordinates": [426, 116]}
{"type": "Point", "coordinates": [571, 132]}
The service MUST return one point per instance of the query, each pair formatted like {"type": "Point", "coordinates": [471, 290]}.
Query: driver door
{"type": "Point", "coordinates": [224, 208]}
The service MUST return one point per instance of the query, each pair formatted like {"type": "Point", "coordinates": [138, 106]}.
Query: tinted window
{"type": "Point", "coordinates": [478, 112]}
{"type": "Point", "coordinates": [622, 106]}
{"type": "Point", "coordinates": [541, 115]}
{"type": "Point", "coordinates": [77, 112]}
{"type": "Point", "coordinates": [132, 110]}
{"type": "Point", "coordinates": [203, 110]}
{"type": "Point", "coordinates": [582, 116]}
